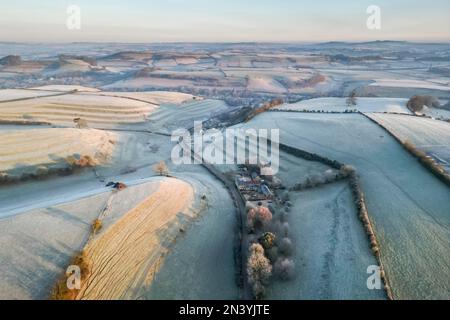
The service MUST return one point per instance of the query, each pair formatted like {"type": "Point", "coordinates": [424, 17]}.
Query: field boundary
{"type": "Point", "coordinates": [359, 201]}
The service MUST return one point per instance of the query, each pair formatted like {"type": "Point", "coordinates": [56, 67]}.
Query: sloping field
{"type": "Point", "coordinates": [98, 111]}
{"type": "Point", "coordinates": [65, 88]}
{"type": "Point", "coordinates": [340, 105]}
{"type": "Point", "coordinates": [265, 84]}
{"type": "Point", "coordinates": [36, 246]}
{"type": "Point", "coordinates": [127, 254]}
{"type": "Point", "coordinates": [431, 136]}
{"type": "Point", "coordinates": [13, 94]}
{"type": "Point", "coordinates": [201, 264]}
{"type": "Point", "coordinates": [408, 205]}
{"type": "Point", "coordinates": [331, 249]}
{"type": "Point", "coordinates": [29, 148]}
{"type": "Point", "coordinates": [170, 117]}
{"type": "Point", "coordinates": [398, 83]}
{"type": "Point", "coordinates": [147, 83]}
{"type": "Point", "coordinates": [155, 97]}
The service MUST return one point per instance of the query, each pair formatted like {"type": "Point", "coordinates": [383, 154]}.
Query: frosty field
{"type": "Point", "coordinates": [332, 251]}
{"type": "Point", "coordinates": [88, 176]}
{"type": "Point", "coordinates": [340, 105]}
{"type": "Point", "coordinates": [411, 221]}
{"type": "Point", "coordinates": [431, 136]}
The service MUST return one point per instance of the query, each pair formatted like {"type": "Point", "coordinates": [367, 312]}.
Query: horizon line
{"type": "Point", "coordinates": [229, 42]}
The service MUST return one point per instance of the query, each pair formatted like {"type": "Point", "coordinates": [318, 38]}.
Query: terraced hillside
{"type": "Point", "coordinates": [98, 111]}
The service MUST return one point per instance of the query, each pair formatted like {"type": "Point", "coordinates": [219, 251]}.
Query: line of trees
{"type": "Point", "coordinates": [270, 248]}
{"type": "Point", "coordinates": [327, 177]}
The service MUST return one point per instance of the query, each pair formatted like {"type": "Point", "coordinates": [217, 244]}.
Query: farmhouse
{"type": "Point", "coordinates": [252, 187]}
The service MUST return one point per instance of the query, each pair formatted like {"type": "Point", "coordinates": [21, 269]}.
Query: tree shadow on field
{"type": "Point", "coordinates": [66, 216]}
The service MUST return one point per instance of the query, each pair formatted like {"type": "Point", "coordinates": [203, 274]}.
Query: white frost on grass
{"type": "Point", "coordinates": [265, 84]}
{"type": "Point", "coordinates": [154, 97]}
{"type": "Point", "coordinates": [65, 88]}
{"type": "Point", "coordinates": [431, 136]}
{"type": "Point", "coordinates": [393, 105]}
{"type": "Point", "coordinates": [12, 94]}
{"type": "Point", "coordinates": [398, 83]}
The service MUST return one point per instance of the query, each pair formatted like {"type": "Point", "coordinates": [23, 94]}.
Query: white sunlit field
{"type": "Point", "coordinates": [340, 105]}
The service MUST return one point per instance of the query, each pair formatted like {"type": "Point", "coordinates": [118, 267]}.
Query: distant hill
{"type": "Point", "coordinates": [11, 60]}
{"type": "Point", "coordinates": [129, 55]}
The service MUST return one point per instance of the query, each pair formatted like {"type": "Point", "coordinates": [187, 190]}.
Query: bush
{"type": "Point", "coordinates": [267, 240]}
{"type": "Point", "coordinates": [285, 246]}
{"type": "Point", "coordinates": [96, 225]}
{"type": "Point", "coordinates": [161, 168]}
{"type": "Point", "coordinates": [284, 269]}
{"type": "Point", "coordinates": [82, 162]}
{"type": "Point", "coordinates": [60, 291]}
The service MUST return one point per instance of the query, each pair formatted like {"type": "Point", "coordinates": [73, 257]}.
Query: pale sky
{"type": "Point", "coordinates": [223, 20]}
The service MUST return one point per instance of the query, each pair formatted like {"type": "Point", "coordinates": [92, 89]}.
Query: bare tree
{"type": "Point", "coordinates": [161, 168]}
{"type": "Point", "coordinates": [80, 123]}
{"type": "Point", "coordinates": [351, 100]}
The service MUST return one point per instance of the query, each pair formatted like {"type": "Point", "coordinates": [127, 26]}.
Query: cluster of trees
{"type": "Point", "coordinates": [270, 249]}
{"type": "Point", "coordinates": [328, 176]}
{"type": "Point", "coordinates": [81, 162]}
{"type": "Point", "coordinates": [416, 103]}
{"type": "Point", "coordinates": [311, 82]}
{"type": "Point", "coordinates": [265, 107]}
